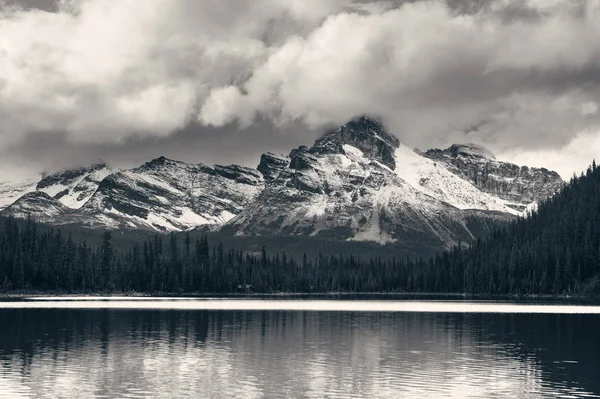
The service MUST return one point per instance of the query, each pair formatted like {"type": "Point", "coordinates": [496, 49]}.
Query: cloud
{"type": "Point", "coordinates": [516, 75]}
{"type": "Point", "coordinates": [430, 72]}
{"type": "Point", "coordinates": [573, 158]}
{"type": "Point", "coordinates": [50, 151]}
{"type": "Point", "coordinates": [104, 70]}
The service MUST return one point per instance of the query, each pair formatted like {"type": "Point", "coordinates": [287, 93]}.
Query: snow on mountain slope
{"type": "Point", "coordinates": [73, 188]}
{"type": "Point", "coordinates": [517, 186]}
{"type": "Point", "coordinates": [169, 195]}
{"type": "Point", "coordinates": [358, 183]}
{"type": "Point", "coordinates": [12, 191]}
{"type": "Point", "coordinates": [38, 205]}
{"type": "Point", "coordinates": [436, 181]}
{"type": "Point", "coordinates": [62, 192]}
{"type": "Point", "coordinates": [162, 195]}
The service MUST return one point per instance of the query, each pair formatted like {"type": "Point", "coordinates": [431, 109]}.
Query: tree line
{"type": "Point", "coordinates": [555, 250]}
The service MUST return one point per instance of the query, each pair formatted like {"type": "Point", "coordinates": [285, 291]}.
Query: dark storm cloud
{"type": "Point", "coordinates": [224, 80]}
{"type": "Point", "coordinates": [194, 143]}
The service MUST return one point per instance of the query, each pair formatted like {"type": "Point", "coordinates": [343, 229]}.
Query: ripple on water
{"type": "Point", "coordinates": [94, 353]}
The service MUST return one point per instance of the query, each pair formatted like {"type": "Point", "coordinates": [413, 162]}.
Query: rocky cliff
{"type": "Point", "coordinates": [520, 186]}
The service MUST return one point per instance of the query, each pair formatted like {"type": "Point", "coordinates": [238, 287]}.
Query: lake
{"type": "Point", "coordinates": [272, 348]}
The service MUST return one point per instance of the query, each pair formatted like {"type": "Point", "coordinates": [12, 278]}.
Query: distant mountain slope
{"type": "Point", "coordinates": [73, 188]}
{"type": "Point", "coordinates": [70, 189]}
{"type": "Point", "coordinates": [39, 206]}
{"type": "Point", "coordinates": [11, 191]}
{"type": "Point", "coordinates": [170, 195]}
{"type": "Point", "coordinates": [162, 195]}
{"type": "Point", "coordinates": [519, 186]}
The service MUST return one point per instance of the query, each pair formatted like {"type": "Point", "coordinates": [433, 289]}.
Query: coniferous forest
{"type": "Point", "coordinates": [554, 251]}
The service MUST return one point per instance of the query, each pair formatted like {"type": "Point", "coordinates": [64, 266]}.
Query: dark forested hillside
{"type": "Point", "coordinates": [556, 250]}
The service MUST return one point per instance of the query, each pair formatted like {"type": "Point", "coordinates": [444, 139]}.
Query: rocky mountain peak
{"type": "Point", "coordinates": [272, 165]}
{"type": "Point", "coordinates": [356, 183]}
{"type": "Point", "coordinates": [66, 177]}
{"type": "Point", "coordinates": [518, 185]}
{"type": "Point", "coordinates": [364, 133]}
{"type": "Point", "coordinates": [38, 204]}
{"type": "Point", "coordinates": [470, 150]}
{"type": "Point", "coordinates": [159, 162]}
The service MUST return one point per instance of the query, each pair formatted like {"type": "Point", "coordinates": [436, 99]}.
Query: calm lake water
{"type": "Point", "coordinates": [187, 348]}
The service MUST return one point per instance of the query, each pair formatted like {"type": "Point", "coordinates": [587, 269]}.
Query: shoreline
{"type": "Point", "coordinates": [300, 295]}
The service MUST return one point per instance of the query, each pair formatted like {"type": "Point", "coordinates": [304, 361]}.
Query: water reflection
{"type": "Point", "coordinates": [67, 353]}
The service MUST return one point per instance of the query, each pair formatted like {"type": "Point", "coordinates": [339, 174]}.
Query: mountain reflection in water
{"type": "Point", "coordinates": [68, 353]}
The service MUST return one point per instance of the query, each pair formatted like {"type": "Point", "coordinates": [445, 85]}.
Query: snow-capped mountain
{"type": "Point", "coordinates": [162, 195]}
{"type": "Point", "coordinates": [356, 183]}
{"type": "Point", "coordinates": [54, 196]}
{"type": "Point", "coordinates": [73, 188]}
{"type": "Point", "coordinates": [12, 191]}
{"type": "Point", "coordinates": [359, 183]}
{"type": "Point", "coordinates": [170, 195]}
{"type": "Point", "coordinates": [38, 205]}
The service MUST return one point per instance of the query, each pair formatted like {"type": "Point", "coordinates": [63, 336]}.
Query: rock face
{"type": "Point", "coordinates": [520, 186]}
{"type": "Point", "coordinates": [63, 192]}
{"type": "Point", "coordinates": [363, 133]}
{"type": "Point", "coordinates": [356, 183]}
{"type": "Point", "coordinates": [272, 165]}
{"type": "Point", "coordinates": [39, 206]}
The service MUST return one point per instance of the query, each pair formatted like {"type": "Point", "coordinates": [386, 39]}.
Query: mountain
{"type": "Point", "coordinates": [73, 188]}
{"type": "Point", "coordinates": [162, 194]}
{"type": "Point", "coordinates": [356, 183]}
{"type": "Point", "coordinates": [12, 191]}
{"type": "Point", "coordinates": [39, 206]}
{"type": "Point", "coordinates": [553, 251]}
{"type": "Point", "coordinates": [169, 195]}
{"type": "Point", "coordinates": [519, 186]}
{"type": "Point", "coordinates": [65, 190]}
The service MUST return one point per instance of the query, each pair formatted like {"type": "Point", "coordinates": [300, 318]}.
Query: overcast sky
{"type": "Point", "coordinates": [221, 81]}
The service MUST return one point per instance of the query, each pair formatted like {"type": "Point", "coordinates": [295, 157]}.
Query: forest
{"type": "Point", "coordinates": [553, 251]}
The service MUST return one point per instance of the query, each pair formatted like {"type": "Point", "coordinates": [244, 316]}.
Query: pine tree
{"type": "Point", "coordinates": [106, 265]}
{"type": "Point", "coordinates": [558, 278]}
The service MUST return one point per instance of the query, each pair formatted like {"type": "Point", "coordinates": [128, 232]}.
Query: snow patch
{"type": "Point", "coordinates": [226, 216]}
{"type": "Point", "coordinates": [317, 208]}
{"type": "Point", "coordinates": [373, 232]}
{"type": "Point", "coordinates": [80, 190]}
{"type": "Point", "coordinates": [190, 218]}
{"type": "Point", "coordinates": [426, 176]}
{"type": "Point", "coordinates": [12, 191]}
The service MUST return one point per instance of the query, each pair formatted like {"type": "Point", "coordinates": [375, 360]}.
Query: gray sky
{"type": "Point", "coordinates": [221, 81]}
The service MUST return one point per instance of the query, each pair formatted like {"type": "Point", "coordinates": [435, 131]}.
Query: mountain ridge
{"type": "Point", "coordinates": [355, 183]}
